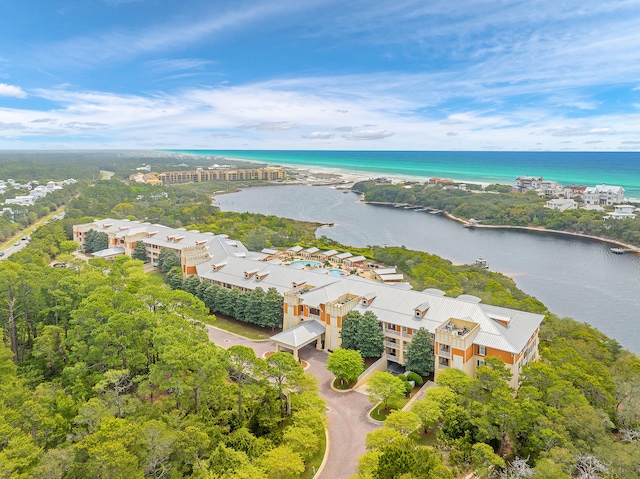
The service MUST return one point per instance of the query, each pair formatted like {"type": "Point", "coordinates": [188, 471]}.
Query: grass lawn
{"type": "Point", "coordinates": [316, 460]}
{"type": "Point", "coordinates": [380, 414]}
{"type": "Point", "coordinates": [243, 329]}
{"type": "Point", "coordinates": [342, 387]}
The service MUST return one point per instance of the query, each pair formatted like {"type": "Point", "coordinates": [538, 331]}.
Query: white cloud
{"type": "Point", "coordinates": [118, 45]}
{"type": "Point", "coordinates": [189, 117]}
{"type": "Point", "coordinates": [319, 135]}
{"type": "Point", "coordinates": [578, 131]}
{"type": "Point", "coordinates": [368, 135]}
{"type": "Point", "coordinates": [12, 90]}
{"type": "Point", "coordinates": [269, 125]}
{"type": "Point", "coordinates": [178, 64]}
{"type": "Point", "coordinates": [11, 126]}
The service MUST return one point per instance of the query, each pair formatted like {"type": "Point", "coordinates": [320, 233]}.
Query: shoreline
{"type": "Point", "coordinates": [630, 247]}
{"type": "Point", "coordinates": [317, 176]}
{"type": "Point", "coordinates": [350, 176]}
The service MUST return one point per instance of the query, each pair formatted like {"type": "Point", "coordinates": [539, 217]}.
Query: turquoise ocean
{"type": "Point", "coordinates": [568, 168]}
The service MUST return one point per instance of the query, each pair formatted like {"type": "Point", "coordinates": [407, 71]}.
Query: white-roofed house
{"type": "Point", "coordinates": [622, 212]}
{"type": "Point", "coordinates": [561, 204]}
{"type": "Point", "coordinates": [603, 195]}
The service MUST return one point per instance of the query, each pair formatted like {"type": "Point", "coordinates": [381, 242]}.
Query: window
{"type": "Point", "coordinates": [482, 350]}
{"type": "Point", "coordinates": [480, 362]}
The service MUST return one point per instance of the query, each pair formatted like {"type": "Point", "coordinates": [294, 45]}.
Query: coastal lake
{"type": "Point", "coordinates": [573, 277]}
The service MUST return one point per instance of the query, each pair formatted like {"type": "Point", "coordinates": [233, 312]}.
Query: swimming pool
{"type": "Point", "coordinates": [337, 272]}
{"type": "Point", "coordinates": [312, 264]}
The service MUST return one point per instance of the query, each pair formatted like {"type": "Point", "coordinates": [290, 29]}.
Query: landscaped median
{"type": "Point", "coordinates": [381, 411]}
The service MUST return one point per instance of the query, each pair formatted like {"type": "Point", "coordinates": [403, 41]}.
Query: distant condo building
{"type": "Point", "coordinates": [316, 301]}
{"type": "Point", "coordinates": [269, 173]}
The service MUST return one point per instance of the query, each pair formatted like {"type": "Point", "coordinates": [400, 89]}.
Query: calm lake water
{"type": "Point", "coordinates": [574, 277]}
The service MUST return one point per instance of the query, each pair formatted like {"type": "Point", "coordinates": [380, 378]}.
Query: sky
{"type": "Point", "coordinates": [320, 74]}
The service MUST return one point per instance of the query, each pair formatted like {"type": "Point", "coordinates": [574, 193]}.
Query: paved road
{"type": "Point", "coordinates": [347, 414]}
{"type": "Point", "coordinates": [14, 248]}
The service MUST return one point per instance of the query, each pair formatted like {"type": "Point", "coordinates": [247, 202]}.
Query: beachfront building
{"type": "Point", "coordinates": [604, 195]}
{"type": "Point", "coordinates": [550, 188]}
{"type": "Point", "coordinates": [269, 173]}
{"type": "Point", "coordinates": [527, 183]}
{"type": "Point", "coordinates": [622, 212]}
{"type": "Point", "coordinates": [561, 204]}
{"type": "Point", "coordinates": [465, 331]}
{"type": "Point", "coordinates": [574, 191]}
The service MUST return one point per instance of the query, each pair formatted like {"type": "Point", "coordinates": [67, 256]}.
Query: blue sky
{"type": "Point", "coordinates": [320, 74]}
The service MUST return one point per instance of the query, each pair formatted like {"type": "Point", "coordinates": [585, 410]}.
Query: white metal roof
{"type": "Point", "coordinates": [300, 335]}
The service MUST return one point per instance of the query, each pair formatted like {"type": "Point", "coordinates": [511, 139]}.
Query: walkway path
{"type": "Point", "coordinates": [347, 415]}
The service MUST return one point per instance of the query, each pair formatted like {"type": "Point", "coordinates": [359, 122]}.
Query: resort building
{"type": "Point", "coordinates": [269, 173]}
{"type": "Point", "coordinates": [316, 301]}
{"type": "Point", "coordinates": [152, 179]}
{"type": "Point", "coordinates": [603, 195]}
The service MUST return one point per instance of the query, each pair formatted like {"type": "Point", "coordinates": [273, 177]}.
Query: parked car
{"type": "Point", "coordinates": [17, 243]}
{"type": "Point", "coordinates": [1, 253]}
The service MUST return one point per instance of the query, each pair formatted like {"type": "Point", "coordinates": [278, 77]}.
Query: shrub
{"type": "Point", "coordinates": [415, 377]}
{"type": "Point", "coordinates": [408, 387]}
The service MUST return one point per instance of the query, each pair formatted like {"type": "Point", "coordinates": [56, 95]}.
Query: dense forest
{"type": "Point", "coordinates": [503, 208]}
{"type": "Point", "coordinates": [107, 373]}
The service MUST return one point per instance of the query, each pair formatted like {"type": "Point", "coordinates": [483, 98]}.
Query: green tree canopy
{"type": "Point", "coordinates": [345, 364]}
{"type": "Point", "coordinates": [383, 386]}
{"type": "Point", "coordinates": [419, 355]}
{"type": "Point", "coordinates": [363, 333]}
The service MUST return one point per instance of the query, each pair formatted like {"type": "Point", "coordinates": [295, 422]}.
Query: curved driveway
{"type": "Point", "coordinates": [347, 415]}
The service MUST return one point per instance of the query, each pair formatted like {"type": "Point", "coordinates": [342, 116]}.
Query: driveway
{"type": "Point", "coordinates": [347, 416]}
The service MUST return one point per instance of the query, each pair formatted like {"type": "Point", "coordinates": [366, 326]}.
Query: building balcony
{"type": "Point", "coordinates": [391, 357]}
{"type": "Point", "coordinates": [443, 366]}
{"type": "Point", "coordinates": [314, 316]}
{"type": "Point", "coordinates": [392, 332]}
{"type": "Point", "coordinates": [444, 354]}
{"type": "Point", "coordinates": [392, 345]}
